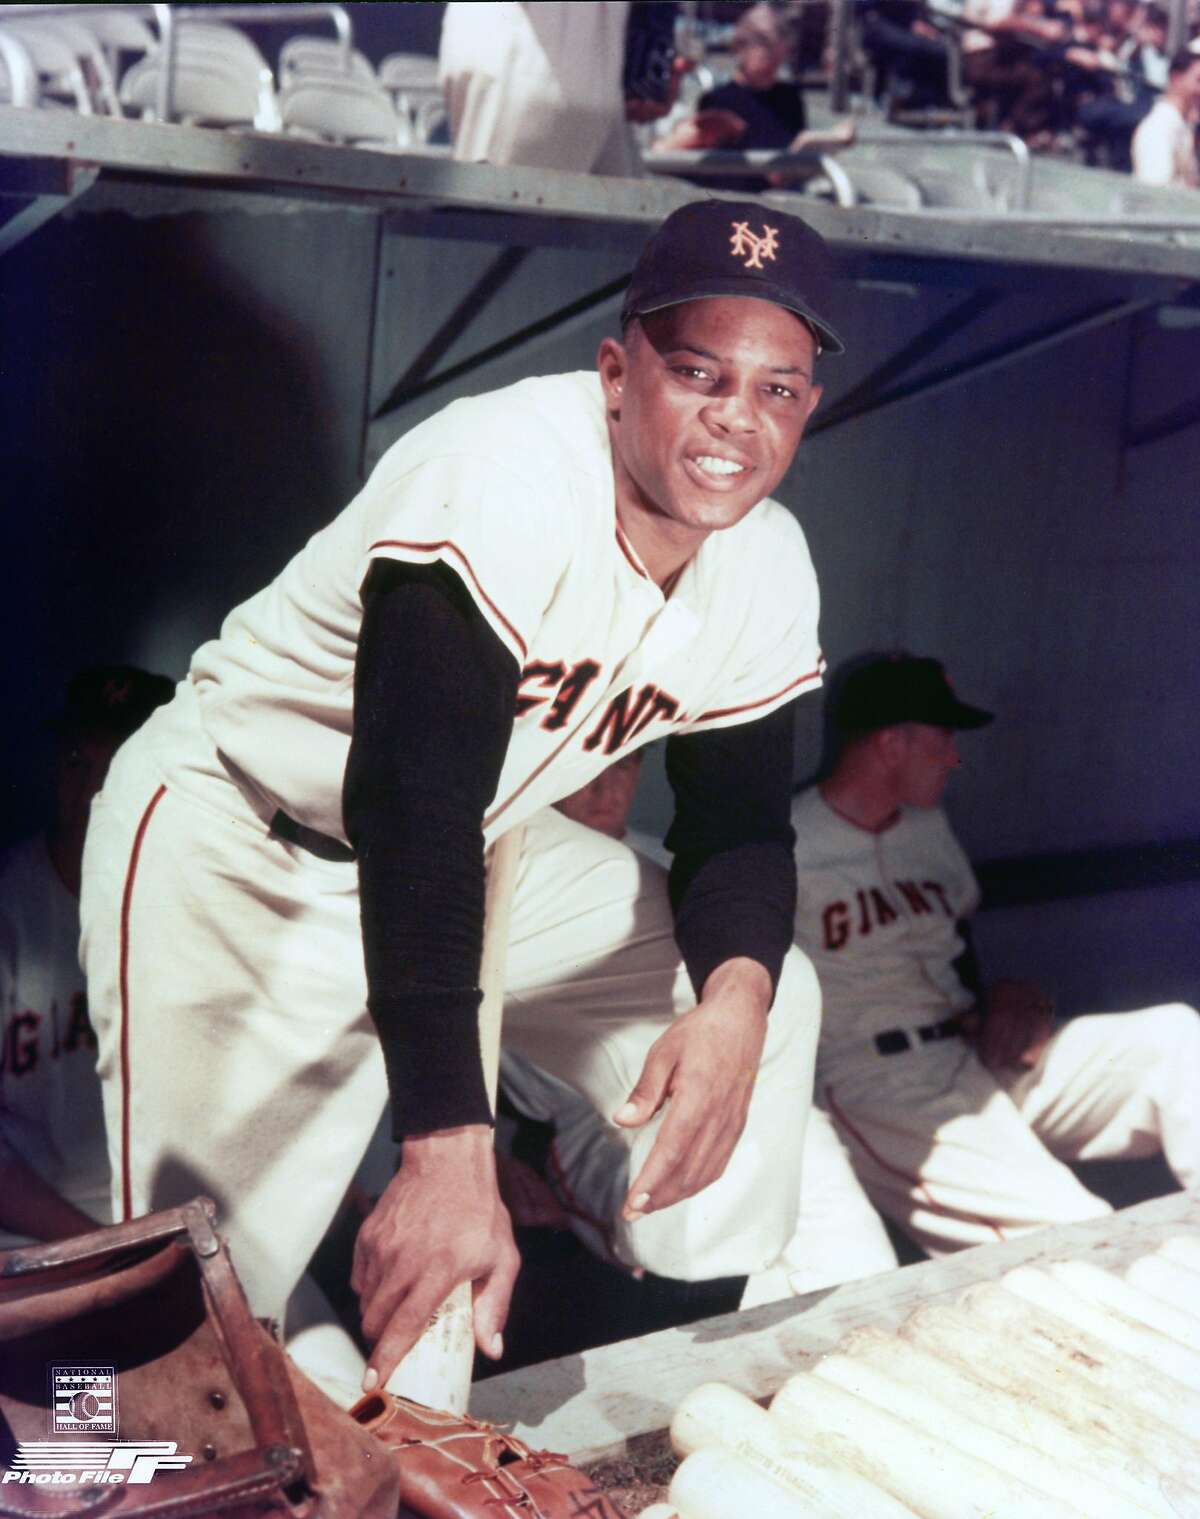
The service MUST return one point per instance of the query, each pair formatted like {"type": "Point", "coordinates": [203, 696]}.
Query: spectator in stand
{"type": "Point", "coordinates": [1011, 88]}
{"type": "Point", "coordinates": [907, 52]}
{"type": "Point", "coordinates": [1110, 117]}
{"type": "Point", "coordinates": [1164, 146]}
{"type": "Point", "coordinates": [537, 84]}
{"type": "Point", "coordinates": [756, 109]}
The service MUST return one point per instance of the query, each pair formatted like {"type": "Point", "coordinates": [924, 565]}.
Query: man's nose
{"type": "Point", "coordinates": [732, 410]}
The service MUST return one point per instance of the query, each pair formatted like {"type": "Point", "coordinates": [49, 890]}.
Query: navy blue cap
{"type": "Point", "coordinates": [732, 247]}
{"type": "Point", "coordinates": [900, 688]}
{"type": "Point", "coordinates": [113, 699]}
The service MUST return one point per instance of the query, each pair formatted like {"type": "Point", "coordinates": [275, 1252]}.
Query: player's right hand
{"type": "Point", "coordinates": [1017, 1024]}
{"type": "Point", "coordinates": [439, 1222]}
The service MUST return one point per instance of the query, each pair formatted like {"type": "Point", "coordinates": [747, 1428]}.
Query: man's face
{"type": "Point", "coordinates": [83, 761]}
{"type": "Point", "coordinates": [926, 757]}
{"type": "Point", "coordinates": [759, 50]}
{"type": "Point", "coordinates": [604, 803]}
{"type": "Point", "coordinates": [707, 401]}
{"type": "Point", "coordinates": [1189, 82]}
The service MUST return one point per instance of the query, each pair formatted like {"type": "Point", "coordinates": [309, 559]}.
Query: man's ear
{"type": "Point", "coordinates": [814, 397]}
{"type": "Point", "coordinates": [889, 744]}
{"type": "Point", "coordinates": [612, 361]}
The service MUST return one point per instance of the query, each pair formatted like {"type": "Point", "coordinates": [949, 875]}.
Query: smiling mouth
{"type": "Point", "coordinates": [718, 469]}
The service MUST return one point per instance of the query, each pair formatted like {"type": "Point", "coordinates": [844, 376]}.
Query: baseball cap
{"type": "Point", "coordinates": [733, 247]}
{"type": "Point", "coordinates": [900, 688]}
{"type": "Point", "coordinates": [114, 699]}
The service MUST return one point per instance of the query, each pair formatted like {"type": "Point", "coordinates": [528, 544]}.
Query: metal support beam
{"type": "Point", "coordinates": [994, 358]}
{"type": "Point", "coordinates": [43, 207]}
{"type": "Point", "coordinates": [523, 335]}
{"type": "Point", "coordinates": [921, 347]}
{"type": "Point", "coordinates": [1178, 419]}
{"type": "Point", "coordinates": [486, 287]}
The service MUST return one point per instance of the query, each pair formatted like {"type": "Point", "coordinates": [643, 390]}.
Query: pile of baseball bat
{"type": "Point", "coordinates": [1058, 1392]}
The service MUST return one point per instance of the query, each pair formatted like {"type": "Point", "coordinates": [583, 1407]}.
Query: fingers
{"type": "Point", "coordinates": [691, 1151]}
{"type": "Point", "coordinates": [651, 1089]}
{"type": "Point", "coordinates": [396, 1333]}
{"type": "Point", "coordinates": [491, 1304]}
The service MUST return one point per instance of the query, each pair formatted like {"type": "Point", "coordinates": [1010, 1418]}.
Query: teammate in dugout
{"type": "Point", "coordinates": [283, 885]}
{"type": "Point", "coordinates": [958, 1105]}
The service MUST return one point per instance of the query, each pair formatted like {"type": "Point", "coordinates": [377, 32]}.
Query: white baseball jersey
{"type": "Point", "coordinates": [50, 1109]}
{"type": "Point", "coordinates": [1164, 147]}
{"type": "Point", "coordinates": [955, 1153]}
{"type": "Point", "coordinates": [514, 492]}
{"type": "Point", "coordinates": [878, 913]}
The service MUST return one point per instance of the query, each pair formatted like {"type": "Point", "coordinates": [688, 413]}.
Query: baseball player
{"type": "Point", "coordinates": [838, 1237]}
{"type": "Point", "coordinates": [283, 882]}
{"type": "Point", "coordinates": [958, 1106]}
{"type": "Point", "coordinates": [54, 1177]}
{"type": "Point", "coordinates": [537, 84]}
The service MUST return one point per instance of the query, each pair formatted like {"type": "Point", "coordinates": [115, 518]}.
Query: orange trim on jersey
{"type": "Point", "coordinates": [918, 1186]}
{"type": "Point", "coordinates": [123, 983]}
{"type": "Point", "coordinates": [446, 543]}
{"type": "Point", "coordinates": [749, 706]}
{"type": "Point", "coordinates": [630, 553]}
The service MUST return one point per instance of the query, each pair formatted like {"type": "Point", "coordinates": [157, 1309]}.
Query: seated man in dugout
{"type": "Point", "coordinates": [959, 1105]}
{"type": "Point", "coordinates": [581, 855]}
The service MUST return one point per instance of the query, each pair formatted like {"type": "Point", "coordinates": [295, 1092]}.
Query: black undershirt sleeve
{"type": "Point", "coordinates": [733, 875]}
{"type": "Point", "coordinates": [434, 697]}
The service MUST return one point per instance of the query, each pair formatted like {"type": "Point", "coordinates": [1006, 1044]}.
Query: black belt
{"type": "Point", "coordinates": [319, 844]}
{"type": "Point", "coordinates": [895, 1041]}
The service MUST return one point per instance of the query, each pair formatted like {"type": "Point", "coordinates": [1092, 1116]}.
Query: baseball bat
{"type": "Point", "coordinates": [1167, 1281]}
{"type": "Point", "coordinates": [1107, 1290]}
{"type": "Point", "coordinates": [1009, 1413]}
{"type": "Point", "coordinates": [1107, 1324]}
{"type": "Point", "coordinates": [1075, 1487]}
{"type": "Point", "coordinates": [437, 1370]}
{"type": "Point", "coordinates": [716, 1484]}
{"type": "Point", "coordinates": [931, 1476]}
{"type": "Point", "coordinates": [716, 1417]}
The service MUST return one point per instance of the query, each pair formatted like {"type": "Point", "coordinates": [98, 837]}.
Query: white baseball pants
{"type": "Point", "coordinates": [958, 1155]}
{"type": "Point", "coordinates": [227, 989]}
{"type": "Point", "coordinates": [838, 1236]}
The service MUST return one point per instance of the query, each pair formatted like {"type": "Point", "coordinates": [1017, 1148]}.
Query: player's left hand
{"type": "Point", "coordinates": [706, 1064]}
{"type": "Point", "coordinates": [1017, 1025]}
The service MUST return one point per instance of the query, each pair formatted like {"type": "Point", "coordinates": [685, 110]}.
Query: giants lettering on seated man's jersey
{"type": "Point", "coordinates": [871, 908]}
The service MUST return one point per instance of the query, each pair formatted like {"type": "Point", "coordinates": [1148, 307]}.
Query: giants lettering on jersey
{"type": "Point", "coordinates": [22, 1047]}
{"type": "Point", "coordinates": [559, 689]}
{"type": "Point", "coordinates": [872, 909]}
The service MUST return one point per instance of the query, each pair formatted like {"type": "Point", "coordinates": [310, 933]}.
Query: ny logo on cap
{"type": "Point", "coordinates": [116, 692]}
{"type": "Point", "coordinates": [745, 241]}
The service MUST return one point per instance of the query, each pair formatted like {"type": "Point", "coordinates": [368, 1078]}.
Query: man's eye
{"type": "Point", "coordinates": [783, 391]}
{"type": "Point", "coordinates": [692, 372]}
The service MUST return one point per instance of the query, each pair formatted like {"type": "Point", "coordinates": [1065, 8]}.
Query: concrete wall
{"type": "Point", "coordinates": [185, 400]}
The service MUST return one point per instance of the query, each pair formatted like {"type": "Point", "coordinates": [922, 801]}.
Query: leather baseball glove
{"type": "Point", "coordinates": [456, 1467]}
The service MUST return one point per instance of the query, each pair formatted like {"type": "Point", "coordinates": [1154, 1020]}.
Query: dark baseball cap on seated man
{"type": "Point", "coordinates": [112, 699]}
{"type": "Point", "coordinates": [732, 247]}
{"type": "Point", "coordinates": [901, 688]}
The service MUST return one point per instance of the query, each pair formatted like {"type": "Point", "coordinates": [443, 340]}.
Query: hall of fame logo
{"type": "Point", "coordinates": [83, 1405]}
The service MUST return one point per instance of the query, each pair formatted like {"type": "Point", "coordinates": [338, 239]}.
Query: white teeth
{"type": "Point", "coordinates": [714, 466]}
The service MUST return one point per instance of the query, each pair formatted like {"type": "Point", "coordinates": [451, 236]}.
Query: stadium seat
{"type": "Point", "coordinates": [302, 57]}
{"type": "Point", "coordinates": [340, 110]}
{"type": "Point", "coordinates": [18, 77]}
{"type": "Point", "coordinates": [412, 80]}
{"type": "Point", "coordinates": [70, 64]}
{"type": "Point", "coordinates": [221, 79]}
